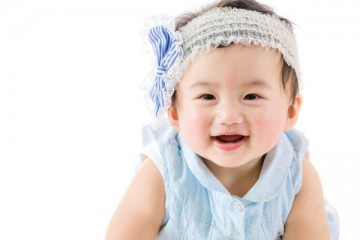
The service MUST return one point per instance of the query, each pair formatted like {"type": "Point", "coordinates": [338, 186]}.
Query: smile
{"type": "Point", "coordinates": [229, 142]}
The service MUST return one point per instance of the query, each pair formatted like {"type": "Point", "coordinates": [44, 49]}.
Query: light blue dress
{"type": "Point", "coordinates": [199, 207]}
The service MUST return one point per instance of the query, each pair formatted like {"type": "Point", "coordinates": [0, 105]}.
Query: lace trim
{"type": "Point", "coordinates": [223, 26]}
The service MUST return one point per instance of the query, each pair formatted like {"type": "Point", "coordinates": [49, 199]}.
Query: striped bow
{"type": "Point", "coordinates": [167, 50]}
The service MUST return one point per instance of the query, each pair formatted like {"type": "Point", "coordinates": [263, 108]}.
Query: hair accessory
{"type": "Point", "coordinates": [217, 27]}
{"type": "Point", "coordinates": [166, 47]}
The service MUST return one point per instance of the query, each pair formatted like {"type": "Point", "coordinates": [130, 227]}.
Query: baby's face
{"type": "Point", "coordinates": [230, 106]}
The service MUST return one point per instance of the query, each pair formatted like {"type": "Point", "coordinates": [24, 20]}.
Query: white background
{"type": "Point", "coordinates": [71, 108]}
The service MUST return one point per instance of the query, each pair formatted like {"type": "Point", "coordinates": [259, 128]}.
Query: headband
{"type": "Point", "coordinates": [217, 27]}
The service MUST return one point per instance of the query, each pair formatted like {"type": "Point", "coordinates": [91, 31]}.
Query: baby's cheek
{"type": "Point", "coordinates": [197, 125]}
{"type": "Point", "coordinates": [269, 129]}
{"type": "Point", "coordinates": [193, 122]}
{"type": "Point", "coordinates": [195, 131]}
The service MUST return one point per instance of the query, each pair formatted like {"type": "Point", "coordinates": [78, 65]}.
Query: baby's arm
{"type": "Point", "coordinates": [141, 211]}
{"type": "Point", "coordinates": [307, 219]}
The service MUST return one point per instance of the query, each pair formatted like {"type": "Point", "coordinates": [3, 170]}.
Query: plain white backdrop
{"type": "Point", "coordinates": [71, 108]}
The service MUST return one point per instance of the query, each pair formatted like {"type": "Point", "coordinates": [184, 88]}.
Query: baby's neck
{"type": "Point", "coordinates": [238, 181]}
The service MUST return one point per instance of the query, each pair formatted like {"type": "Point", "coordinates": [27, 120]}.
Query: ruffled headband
{"type": "Point", "coordinates": [217, 27]}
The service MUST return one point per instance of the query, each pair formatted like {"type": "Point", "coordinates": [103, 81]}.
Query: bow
{"type": "Point", "coordinates": [167, 50]}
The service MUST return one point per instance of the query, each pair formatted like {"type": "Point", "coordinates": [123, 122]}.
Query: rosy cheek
{"type": "Point", "coordinates": [263, 120]}
{"type": "Point", "coordinates": [197, 122]}
{"type": "Point", "coordinates": [194, 119]}
{"type": "Point", "coordinates": [267, 126]}
{"type": "Point", "coordinates": [194, 128]}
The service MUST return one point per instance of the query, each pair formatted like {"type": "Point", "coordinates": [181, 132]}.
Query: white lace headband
{"type": "Point", "coordinates": [217, 27]}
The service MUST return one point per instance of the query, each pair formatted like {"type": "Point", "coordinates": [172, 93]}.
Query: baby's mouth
{"type": "Point", "coordinates": [229, 138]}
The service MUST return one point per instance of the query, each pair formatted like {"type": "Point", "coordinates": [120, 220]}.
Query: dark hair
{"type": "Point", "coordinates": [288, 74]}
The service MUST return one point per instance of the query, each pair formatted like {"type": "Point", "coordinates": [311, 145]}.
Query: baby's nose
{"type": "Point", "coordinates": [229, 114]}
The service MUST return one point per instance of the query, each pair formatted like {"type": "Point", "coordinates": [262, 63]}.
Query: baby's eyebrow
{"type": "Point", "coordinates": [252, 83]}
{"type": "Point", "coordinates": [257, 83]}
{"type": "Point", "coordinates": [203, 84]}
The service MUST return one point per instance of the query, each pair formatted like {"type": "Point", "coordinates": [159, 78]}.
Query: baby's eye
{"type": "Point", "coordinates": [207, 97]}
{"type": "Point", "coordinates": [251, 96]}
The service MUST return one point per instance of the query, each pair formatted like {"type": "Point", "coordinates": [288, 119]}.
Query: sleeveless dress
{"type": "Point", "coordinates": [199, 207]}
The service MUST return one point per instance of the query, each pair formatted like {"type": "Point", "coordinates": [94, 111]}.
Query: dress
{"type": "Point", "coordinates": [199, 207]}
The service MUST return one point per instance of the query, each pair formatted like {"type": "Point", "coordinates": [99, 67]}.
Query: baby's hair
{"type": "Point", "coordinates": [288, 74]}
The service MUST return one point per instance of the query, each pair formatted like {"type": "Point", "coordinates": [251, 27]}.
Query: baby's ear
{"type": "Point", "coordinates": [293, 112]}
{"type": "Point", "coordinates": [173, 116]}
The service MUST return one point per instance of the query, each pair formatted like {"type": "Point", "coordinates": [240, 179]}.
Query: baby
{"type": "Point", "coordinates": [225, 162]}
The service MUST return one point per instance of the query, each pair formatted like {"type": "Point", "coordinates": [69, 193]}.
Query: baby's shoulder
{"type": "Point", "coordinates": [159, 131]}
{"type": "Point", "coordinates": [298, 140]}
{"type": "Point", "coordinates": [299, 146]}
{"type": "Point", "coordinates": [160, 145]}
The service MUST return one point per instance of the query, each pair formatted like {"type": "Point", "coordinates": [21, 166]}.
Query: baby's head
{"type": "Point", "coordinates": [219, 25]}
{"type": "Point", "coordinates": [228, 78]}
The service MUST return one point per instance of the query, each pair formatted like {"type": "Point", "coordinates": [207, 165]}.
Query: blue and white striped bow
{"type": "Point", "coordinates": [167, 50]}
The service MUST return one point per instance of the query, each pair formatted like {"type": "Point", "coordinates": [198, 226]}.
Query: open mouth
{"type": "Point", "coordinates": [229, 142]}
{"type": "Point", "coordinates": [229, 138]}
